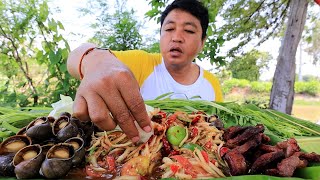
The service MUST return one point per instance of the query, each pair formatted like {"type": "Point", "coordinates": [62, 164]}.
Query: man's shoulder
{"type": "Point", "coordinates": [207, 73]}
{"type": "Point", "coordinates": [137, 52]}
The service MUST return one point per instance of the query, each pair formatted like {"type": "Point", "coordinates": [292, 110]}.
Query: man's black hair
{"type": "Point", "coordinates": [193, 7]}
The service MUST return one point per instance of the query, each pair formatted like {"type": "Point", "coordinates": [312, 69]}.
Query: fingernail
{"type": "Point", "coordinates": [147, 129]}
{"type": "Point", "coordinates": [135, 139]}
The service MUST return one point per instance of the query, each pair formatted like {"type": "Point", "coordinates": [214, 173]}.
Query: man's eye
{"type": "Point", "coordinates": [169, 29]}
{"type": "Point", "coordinates": [189, 31]}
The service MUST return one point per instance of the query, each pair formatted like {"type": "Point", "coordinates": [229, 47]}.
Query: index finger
{"type": "Point", "coordinates": [135, 104]}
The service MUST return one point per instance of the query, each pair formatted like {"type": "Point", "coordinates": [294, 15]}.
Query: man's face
{"type": "Point", "coordinates": [180, 39]}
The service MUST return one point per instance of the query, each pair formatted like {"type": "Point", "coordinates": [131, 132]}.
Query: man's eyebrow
{"type": "Point", "coordinates": [186, 23]}
{"type": "Point", "coordinates": [191, 24]}
{"type": "Point", "coordinates": [169, 22]}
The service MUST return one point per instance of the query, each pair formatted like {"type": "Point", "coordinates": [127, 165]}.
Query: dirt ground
{"type": "Point", "coordinates": [307, 112]}
{"type": "Point", "coordinates": [310, 110]}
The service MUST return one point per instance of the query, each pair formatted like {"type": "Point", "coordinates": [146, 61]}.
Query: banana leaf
{"type": "Point", "coordinates": [258, 177]}
{"type": "Point", "coordinates": [309, 172]}
{"type": "Point", "coordinates": [309, 144]}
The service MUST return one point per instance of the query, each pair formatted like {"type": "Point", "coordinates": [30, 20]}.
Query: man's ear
{"type": "Point", "coordinates": [203, 42]}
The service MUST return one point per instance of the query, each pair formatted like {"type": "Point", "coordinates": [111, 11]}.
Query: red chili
{"type": "Point", "coordinates": [171, 119]}
{"type": "Point", "coordinates": [205, 156]}
{"type": "Point", "coordinates": [209, 144]}
{"type": "Point", "coordinates": [166, 149]}
{"type": "Point", "coordinates": [174, 152]}
{"type": "Point", "coordinates": [194, 132]}
{"type": "Point", "coordinates": [163, 114]}
{"type": "Point", "coordinates": [223, 151]}
{"type": "Point", "coordinates": [195, 120]}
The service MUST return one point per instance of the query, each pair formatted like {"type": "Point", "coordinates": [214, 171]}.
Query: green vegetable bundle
{"type": "Point", "coordinates": [13, 119]}
{"type": "Point", "coordinates": [278, 125]}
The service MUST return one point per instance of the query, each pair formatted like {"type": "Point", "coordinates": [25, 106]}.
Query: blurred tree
{"type": "Point", "coordinates": [282, 92]}
{"type": "Point", "coordinates": [33, 54]}
{"type": "Point", "coordinates": [249, 65]}
{"type": "Point", "coordinates": [118, 30]}
{"type": "Point", "coordinates": [313, 39]}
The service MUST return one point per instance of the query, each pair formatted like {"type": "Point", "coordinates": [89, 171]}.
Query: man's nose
{"type": "Point", "coordinates": [177, 37]}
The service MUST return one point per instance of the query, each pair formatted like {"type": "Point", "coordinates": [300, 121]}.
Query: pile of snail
{"type": "Point", "coordinates": [46, 147]}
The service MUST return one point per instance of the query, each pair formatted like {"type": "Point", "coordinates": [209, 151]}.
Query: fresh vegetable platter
{"type": "Point", "coordinates": [277, 126]}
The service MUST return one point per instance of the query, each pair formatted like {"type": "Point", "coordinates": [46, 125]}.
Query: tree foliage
{"type": "Point", "coordinates": [313, 39]}
{"type": "Point", "coordinates": [33, 54]}
{"type": "Point", "coordinates": [248, 21]}
{"type": "Point", "coordinates": [249, 65]}
{"type": "Point", "coordinates": [119, 30]}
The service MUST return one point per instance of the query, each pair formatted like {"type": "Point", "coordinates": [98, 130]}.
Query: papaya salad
{"type": "Point", "coordinates": [183, 146]}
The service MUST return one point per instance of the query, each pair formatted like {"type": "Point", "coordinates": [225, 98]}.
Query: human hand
{"type": "Point", "coordinates": [109, 95]}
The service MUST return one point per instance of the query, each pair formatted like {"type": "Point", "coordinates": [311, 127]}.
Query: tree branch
{"type": "Point", "coordinates": [257, 10]}
{"type": "Point", "coordinates": [17, 58]}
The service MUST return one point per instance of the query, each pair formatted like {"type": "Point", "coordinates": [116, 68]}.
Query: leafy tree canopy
{"type": "Point", "coordinates": [249, 65]}
{"type": "Point", "coordinates": [33, 54]}
{"type": "Point", "coordinates": [119, 30]}
{"type": "Point", "coordinates": [312, 37]}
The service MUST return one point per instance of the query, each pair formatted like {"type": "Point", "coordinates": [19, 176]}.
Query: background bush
{"type": "Point", "coordinates": [310, 87]}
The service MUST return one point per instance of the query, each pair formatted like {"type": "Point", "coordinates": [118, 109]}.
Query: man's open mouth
{"type": "Point", "coordinates": [176, 49]}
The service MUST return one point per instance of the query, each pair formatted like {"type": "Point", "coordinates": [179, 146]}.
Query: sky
{"type": "Point", "coordinates": [75, 24]}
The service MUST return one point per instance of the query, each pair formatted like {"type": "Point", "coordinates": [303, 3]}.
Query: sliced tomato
{"type": "Point", "coordinates": [111, 163]}
{"type": "Point", "coordinates": [317, 1]}
{"type": "Point", "coordinates": [174, 168]}
{"type": "Point", "coordinates": [187, 166]}
{"type": "Point", "coordinates": [92, 173]}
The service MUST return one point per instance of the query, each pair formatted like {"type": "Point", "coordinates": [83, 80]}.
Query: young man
{"type": "Point", "coordinates": [114, 84]}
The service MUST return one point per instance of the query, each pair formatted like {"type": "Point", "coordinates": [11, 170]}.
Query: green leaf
{"type": "Point", "coordinates": [309, 144]}
{"type": "Point", "coordinates": [60, 25]}
{"type": "Point", "coordinates": [54, 58]}
{"type": "Point", "coordinates": [257, 177]}
{"type": "Point", "coordinates": [9, 127]}
{"type": "Point", "coordinates": [63, 68]}
{"type": "Point", "coordinates": [52, 25]}
{"type": "Point", "coordinates": [44, 11]}
{"type": "Point", "coordinates": [308, 172]}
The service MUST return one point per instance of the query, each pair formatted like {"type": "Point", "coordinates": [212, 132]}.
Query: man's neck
{"type": "Point", "coordinates": [185, 75]}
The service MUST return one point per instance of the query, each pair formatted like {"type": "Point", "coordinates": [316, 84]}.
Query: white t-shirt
{"type": "Point", "coordinates": [161, 82]}
{"type": "Point", "coordinates": [155, 80]}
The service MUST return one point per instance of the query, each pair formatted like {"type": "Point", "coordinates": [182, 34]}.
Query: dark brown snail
{"type": "Point", "coordinates": [58, 161]}
{"type": "Point", "coordinates": [78, 145]}
{"type": "Point", "coordinates": [64, 129]}
{"type": "Point", "coordinates": [40, 129]}
{"type": "Point", "coordinates": [8, 149]}
{"type": "Point", "coordinates": [27, 162]}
